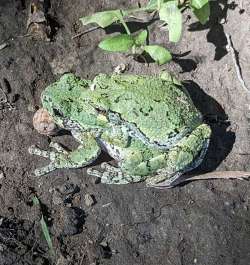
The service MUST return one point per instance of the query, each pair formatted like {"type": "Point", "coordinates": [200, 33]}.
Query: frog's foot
{"type": "Point", "coordinates": [160, 181]}
{"type": "Point", "coordinates": [51, 155]}
{"type": "Point", "coordinates": [113, 175]}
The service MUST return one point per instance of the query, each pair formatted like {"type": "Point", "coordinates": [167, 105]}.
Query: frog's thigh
{"type": "Point", "coordinates": [185, 156]}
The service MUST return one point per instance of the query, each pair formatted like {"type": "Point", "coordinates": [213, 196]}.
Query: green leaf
{"type": "Point", "coordinates": [35, 201]}
{"type": "Point", "coordinates": [140, 39]}
{"type": "Point", "coordinates": [44, 228]}
{"type": "Point", "coordinates": [203, 13]}
{"type": "Point", "coordinates": [103, 19]}
{"type": "Point", "coordinates": [47, 235]}
{"type": "Point", "coordinates": [152, 4]}
{"type": "Point", "coordinates": [158, 53]}
{"type": "Point", "coordinates": [171, 14]}
{"type": "Point", "coordinates": [119, 43]}
{"type": "Point", "coordinates": [198, 4]}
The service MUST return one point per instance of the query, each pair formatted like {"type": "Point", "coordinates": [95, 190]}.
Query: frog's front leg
{"type": "Point", "coordinates": [85, 154]}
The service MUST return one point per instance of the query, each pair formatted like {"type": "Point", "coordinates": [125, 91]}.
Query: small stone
{"type": "Point", "coordinates": [103, 244]}
{"type": "Point", "coordinates": [77, 199]}
{"type": "Point", "coordinates": [68, 188]}
{"type": "Point", "coordinates": [1, 175]}
{"type": "Point", "coordinates": [223, 21]}
{"type": "Point", "coordinates": [57, 198]}
{"type": "Point", "coordinates": [44, 123]}
{"type": "Point", "coordinates": [121, 68]}
{"type": "Point", "coordinates": [31, 108]}
{"type": "Point", "coordinates": [89, 199]}
{"type": "Point", "coordinates": [62, 261]}
{"type": "Point", "coordinates": [73, 219]}
{"type": "Point", "coordinates": [1, 248]}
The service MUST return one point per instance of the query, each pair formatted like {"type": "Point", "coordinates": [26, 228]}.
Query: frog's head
{"type": "Point", "coordinates": [66, 102]}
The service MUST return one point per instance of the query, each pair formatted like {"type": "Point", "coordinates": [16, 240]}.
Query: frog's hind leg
{"type": "Point", "coordinates": [114, 175]}
{"type": "Point", "coordinates": [171, 182]}
{"type": "Point", "coordinates": [185, 156]}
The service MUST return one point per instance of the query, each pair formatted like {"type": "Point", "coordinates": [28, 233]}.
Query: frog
{"type": "Point", "coordinates": [149, 125]}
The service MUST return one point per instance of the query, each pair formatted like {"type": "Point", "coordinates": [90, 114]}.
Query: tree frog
{"type": "Point", "coordinates": [148, 124]}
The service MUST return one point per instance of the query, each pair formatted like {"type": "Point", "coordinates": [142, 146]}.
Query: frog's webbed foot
{"type": "Point", "coordinates": [53, 156]}
{"type": "Point", "coordinates": [113, 175]}
{"type": "Point", "coordinates": [160, 181]}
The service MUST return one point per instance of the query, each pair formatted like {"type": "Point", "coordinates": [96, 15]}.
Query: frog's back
{"type": "Point", "coordinates": [154, 109]}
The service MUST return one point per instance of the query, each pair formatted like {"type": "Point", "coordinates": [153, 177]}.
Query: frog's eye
{"type": "Point", "coordinates": [57, 113]}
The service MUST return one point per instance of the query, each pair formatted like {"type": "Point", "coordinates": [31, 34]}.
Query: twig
{"type": "Point", "coordinates": [5, 100]}
{"type": "Point", "coordinates": [85, 32]}
{"type": "Point", "coordinates": [236, 64]}
{"type": "Point", "coordinates": [3, 45]}
{"type": "Point", "coordinates": [241, 175]}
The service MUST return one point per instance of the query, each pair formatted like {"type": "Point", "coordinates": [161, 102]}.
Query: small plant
{"type": "Point", "coordinates": [170, 12]}
{"type": "Point", "coordinates": [44, 227]}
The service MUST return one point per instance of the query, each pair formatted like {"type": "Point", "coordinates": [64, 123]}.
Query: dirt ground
{"type": "Point", "coordinates": [206, 222]}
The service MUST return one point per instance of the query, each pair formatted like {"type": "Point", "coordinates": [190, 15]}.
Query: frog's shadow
{"type": "Point", "coordinates": [222, 141]}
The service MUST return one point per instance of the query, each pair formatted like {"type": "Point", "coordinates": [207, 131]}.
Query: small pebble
{"type": "Point", "coordinates": [43, 122]}
{"type": "Point", "coordinates": [121, 68]}
{"type": "Point", "coordinates": [77, 199]}
{"type": "Point", "coordinates": [31, 108]}
{"type": "Point", "coordinates": [1, 175]}
{"type": "Point", "coordinates": [57, 198]}
{"type": "Point", "coordinates": [89, 200]}
{"type": "Point", "coordinates": [73, 219]}
{"type": "Point", "coordinates": [68, 188]}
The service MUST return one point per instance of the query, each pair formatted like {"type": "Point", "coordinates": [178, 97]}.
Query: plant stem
{"type": "Point", "coordinates": [158, 4]}
{"type": "Point", "coordinates": [124, 24]}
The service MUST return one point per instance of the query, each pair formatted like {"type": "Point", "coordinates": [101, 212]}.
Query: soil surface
{"type": "Point", "coordinates": [203, 222]}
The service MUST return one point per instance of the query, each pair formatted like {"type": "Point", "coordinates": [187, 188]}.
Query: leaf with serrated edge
{"type": "Point", "coordinates": [171, 14]}
{"type": "Point", "coordinates": [119, 43]}
{"type": "Point", "coordinates": [158, 53]}
{"type": "Point", "coordinates": [103, 19]}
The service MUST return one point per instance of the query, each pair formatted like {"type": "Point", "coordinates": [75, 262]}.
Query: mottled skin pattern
{"type": "Point", "coordinates": [148, 124]}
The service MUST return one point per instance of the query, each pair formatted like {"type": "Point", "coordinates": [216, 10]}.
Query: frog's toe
{"type": "Point", "coordinates": [44, 170]}
{"type": "Point", "coordinates": [94, 172]}
{"type": "Point", "coordinates": [34, 150]}
{"type": "Point", "coordinates": [162, 181]}
{"type": "Point", "coordinates": [107, 167]}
